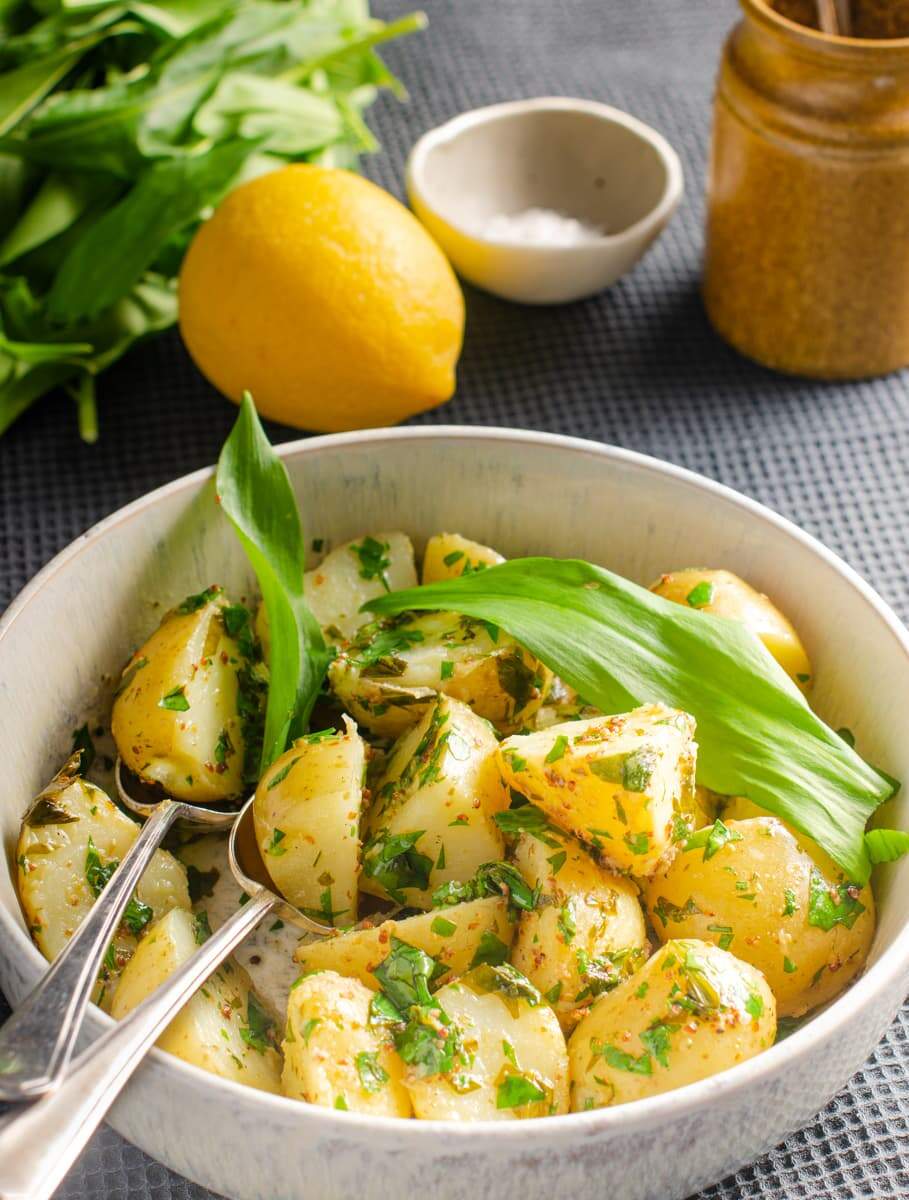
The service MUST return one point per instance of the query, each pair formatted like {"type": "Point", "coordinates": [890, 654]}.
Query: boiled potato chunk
{"type": "Point", "coordinates": [726, 595]}
{"type": "Point", "coordinates": [347, 577]}
{"type": "Point", "coordinates": [176, 720]}
{"type": "Point", "coordinates": [749, 887]}
{"type": "Point", "coordinates": [587, 933]}
{"type": "Point", "coordinates": [334, 1056]}
{"type": "Point", "coordinates": [562, 704]}
{"type": "Point", "coordinates": [433, 816]}
{"type": "Point", "coordinates": [69, 837]}
{"type": "Point", "coordinates": [223, 1028]}
{"type": "Point", "coordinates": [307, 821]}
{"type": "Point", "coordinates": [452, 936]}
{"type": "Point", "coordinates": [617, 783]}
{"type": "Point", "coordinates": [513, 1062]}
{"type": "Point", "coordinates": [388, 675]}
{"type": "Point", "coordinates": [449, 555]}
{"type": "Point", "coordinates": [691, 1011]}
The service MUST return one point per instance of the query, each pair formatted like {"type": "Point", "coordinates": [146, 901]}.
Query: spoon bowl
{"type": "Point", "coordinates": [251, 873]}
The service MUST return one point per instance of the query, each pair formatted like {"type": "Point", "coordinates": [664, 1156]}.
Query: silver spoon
{"type": "Point", "coordinates": [39, 1145]}
{"type": "Point", "coordinates": [37, 1042]}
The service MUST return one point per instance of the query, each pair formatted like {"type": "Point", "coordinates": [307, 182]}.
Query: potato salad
{"type": "Point", "coordinates": [536, 908]}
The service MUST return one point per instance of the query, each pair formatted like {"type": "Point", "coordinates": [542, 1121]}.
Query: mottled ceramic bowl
{"type": "Point", "coordinates": [577, 157]}
{"type": "Point", "coordinates": [523, 493]}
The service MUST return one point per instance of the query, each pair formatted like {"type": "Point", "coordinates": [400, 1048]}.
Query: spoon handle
{"type": "Point", "coordinates": [38, 1040]}
{"type": "Point", "coordinates": [40, 1144]}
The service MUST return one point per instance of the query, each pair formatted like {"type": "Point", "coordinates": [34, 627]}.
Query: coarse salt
{"type": "Point", "coordinates": [539, 227]}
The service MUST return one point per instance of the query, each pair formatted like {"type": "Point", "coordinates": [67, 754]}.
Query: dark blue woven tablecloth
{"type": "Point", "coordinates": [638, 367]}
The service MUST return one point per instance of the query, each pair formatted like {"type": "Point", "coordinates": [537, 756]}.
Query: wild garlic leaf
{"type": "Point", "coordinates": [106, 263]}
{"type": "Point", "coordinates": [255, 495]}
{"type": "Point", "coordinates": [886, 845]}
{"type": "Point", "coordinates": [620, 646]}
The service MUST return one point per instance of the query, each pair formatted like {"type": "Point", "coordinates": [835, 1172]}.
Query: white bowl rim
{"type": "Point", "coordinates": [673, 189]}
{"type": "Point", "coordinates": [893, 964]}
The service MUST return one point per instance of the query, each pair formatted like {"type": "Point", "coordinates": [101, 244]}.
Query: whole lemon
{"type": "Point", "coordinates": [322, 295]}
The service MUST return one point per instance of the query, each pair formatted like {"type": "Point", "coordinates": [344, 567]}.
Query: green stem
{"type": "Point", "coordinates": [86, 407]}
{"type": "Point", "coordinates": [412, 23]}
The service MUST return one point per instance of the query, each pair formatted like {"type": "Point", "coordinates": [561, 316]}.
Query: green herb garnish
{"type": "Point", "coordinates": [515, 1091]}
{"type": "Point", "coordinates": [395, 863]}
{"type": "Point", "coordinates": [255, 495]}
{"type": "Point", "coordinates": [757, 735]}
{"type": "Point", "coordinates": [175, 700]}
{"type": "Point", "coordinates": [257, 1033]}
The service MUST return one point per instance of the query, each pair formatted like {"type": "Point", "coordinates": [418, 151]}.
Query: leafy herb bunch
{"type": "Point", "coordinates": [121, 124]}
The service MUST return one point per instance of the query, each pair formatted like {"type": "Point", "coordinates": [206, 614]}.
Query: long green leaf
{"type": "Point", "coordinates": [620, 646]}
{"type": "Point", "coordinates": [105, 264]}
{"type": "Point", "coordinates": [255, 494]}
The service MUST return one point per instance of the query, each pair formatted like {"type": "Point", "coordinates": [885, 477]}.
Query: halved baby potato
{"type": "Point", "coordinates": [307, 821]}
{"type": "Point", "coordinates": [752, 889]}
{"type": "Point", "coordinates": [347, 577]}
{"type": "Point", "coordinates": [334, 1055]}
{"type": "Point", "coordinates": [433, 817]}
{"type": "Point", "coordinates": [176, 719]}
{"type": "Point", "coordinates": [513, 1062]}
{"type": "Point", "coordinates": [726, 595]}
{"type": "Point", "coordinates": [587, 932]}
{"type": "Point", "coordinates": [449, 555]}
{"type": "Point", "coordinates": [691, 1011]}
{"type": "Point", "coordinates": [389, 674]}
{"type": "Point", "coordinates": [70, 838]}
{"type": "Point", "coordinates": [223, 1028]}
{"type": "Point", "coordinates": [453, 936]}
{"type": "Point", "coordinates": [618, 783]}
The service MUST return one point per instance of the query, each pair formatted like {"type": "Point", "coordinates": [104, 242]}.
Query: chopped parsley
{"type": "Point", "coordinates": [374, 559]}
{"type": "Point", "coordinates": [712, 839]}
{"type": "Point", "coordinates": [274, 847]}
{"type": "Point", "coordinates": [527, 818]}
{"type": "Point", "coordinates": [193, 603]}
{"type": "Point", "coordinates": [491, 879]}
{"type": "Point", "coordinates": [175, 700]}
{"type": "Point", "coordinates": [726, 935]}
{"type": "Point", "coordinates": [700, 595]}
{"type": "Point", "coordinates": [491, 951]}
{"type": "Point", "coordinates": [443, 928]}
{"type": "Point", "coordinates": [754, 1006]}
{"type": "Point", "coordinates": [832, 905]}
{"type": "Point", "coordinates": [559, 746]}
{"type": "Point", "coordinates": [373, 1076]}
{"type": "Point", "coordinates": [308, 1027]}
{"type": "Point", "coordinates": [201, 927]}
{"type": "Point", "coordinates": [657, 1041]}
{"type": "Point", "coordinates": [792, 905]}
{"type": "Point", "coordinates": [281, 775]}
{"type": "Point", "coordinates": [395, 863]}
{"type": "Point", "coordinates": [447, 669]}
{"type": "Point", "coordinates": [257, 1033]}
{"type": "Point", "coordinates": [621, 1060]}
{"type": "Point", "coordinates": [667, 911]}
{"type": "Point", "coordinates": [452, 557]}
{"type": "Point", "coordinates": [516, 1091]}
{"type": "Point", "coordinates": [566, 923]}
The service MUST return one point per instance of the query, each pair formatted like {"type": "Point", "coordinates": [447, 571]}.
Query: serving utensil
{"type": "Point", "coordinates": [37, 1042]}
{"type": "Point", "coordinates": [40, 1144]}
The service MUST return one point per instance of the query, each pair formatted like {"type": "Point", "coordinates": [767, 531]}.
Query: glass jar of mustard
{"type": "Point", "coordinates": [807, 259]}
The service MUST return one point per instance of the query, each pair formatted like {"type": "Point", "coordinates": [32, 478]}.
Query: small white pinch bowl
{"type": "Point", "coordinates": [525, 493]}
{"type": "Point", "coordinates": [576, 157]}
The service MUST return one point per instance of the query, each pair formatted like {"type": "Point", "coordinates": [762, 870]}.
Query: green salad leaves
{"type": "Point", "coordinates": [255, 495]}
{"type": "Point", "coordinates": [621, 646]}
{"type": "Point", "coordinates": [120, 126]}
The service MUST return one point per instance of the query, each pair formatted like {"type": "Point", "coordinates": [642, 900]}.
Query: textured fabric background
{"type": "Point", "coordinates": [638, 367]}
